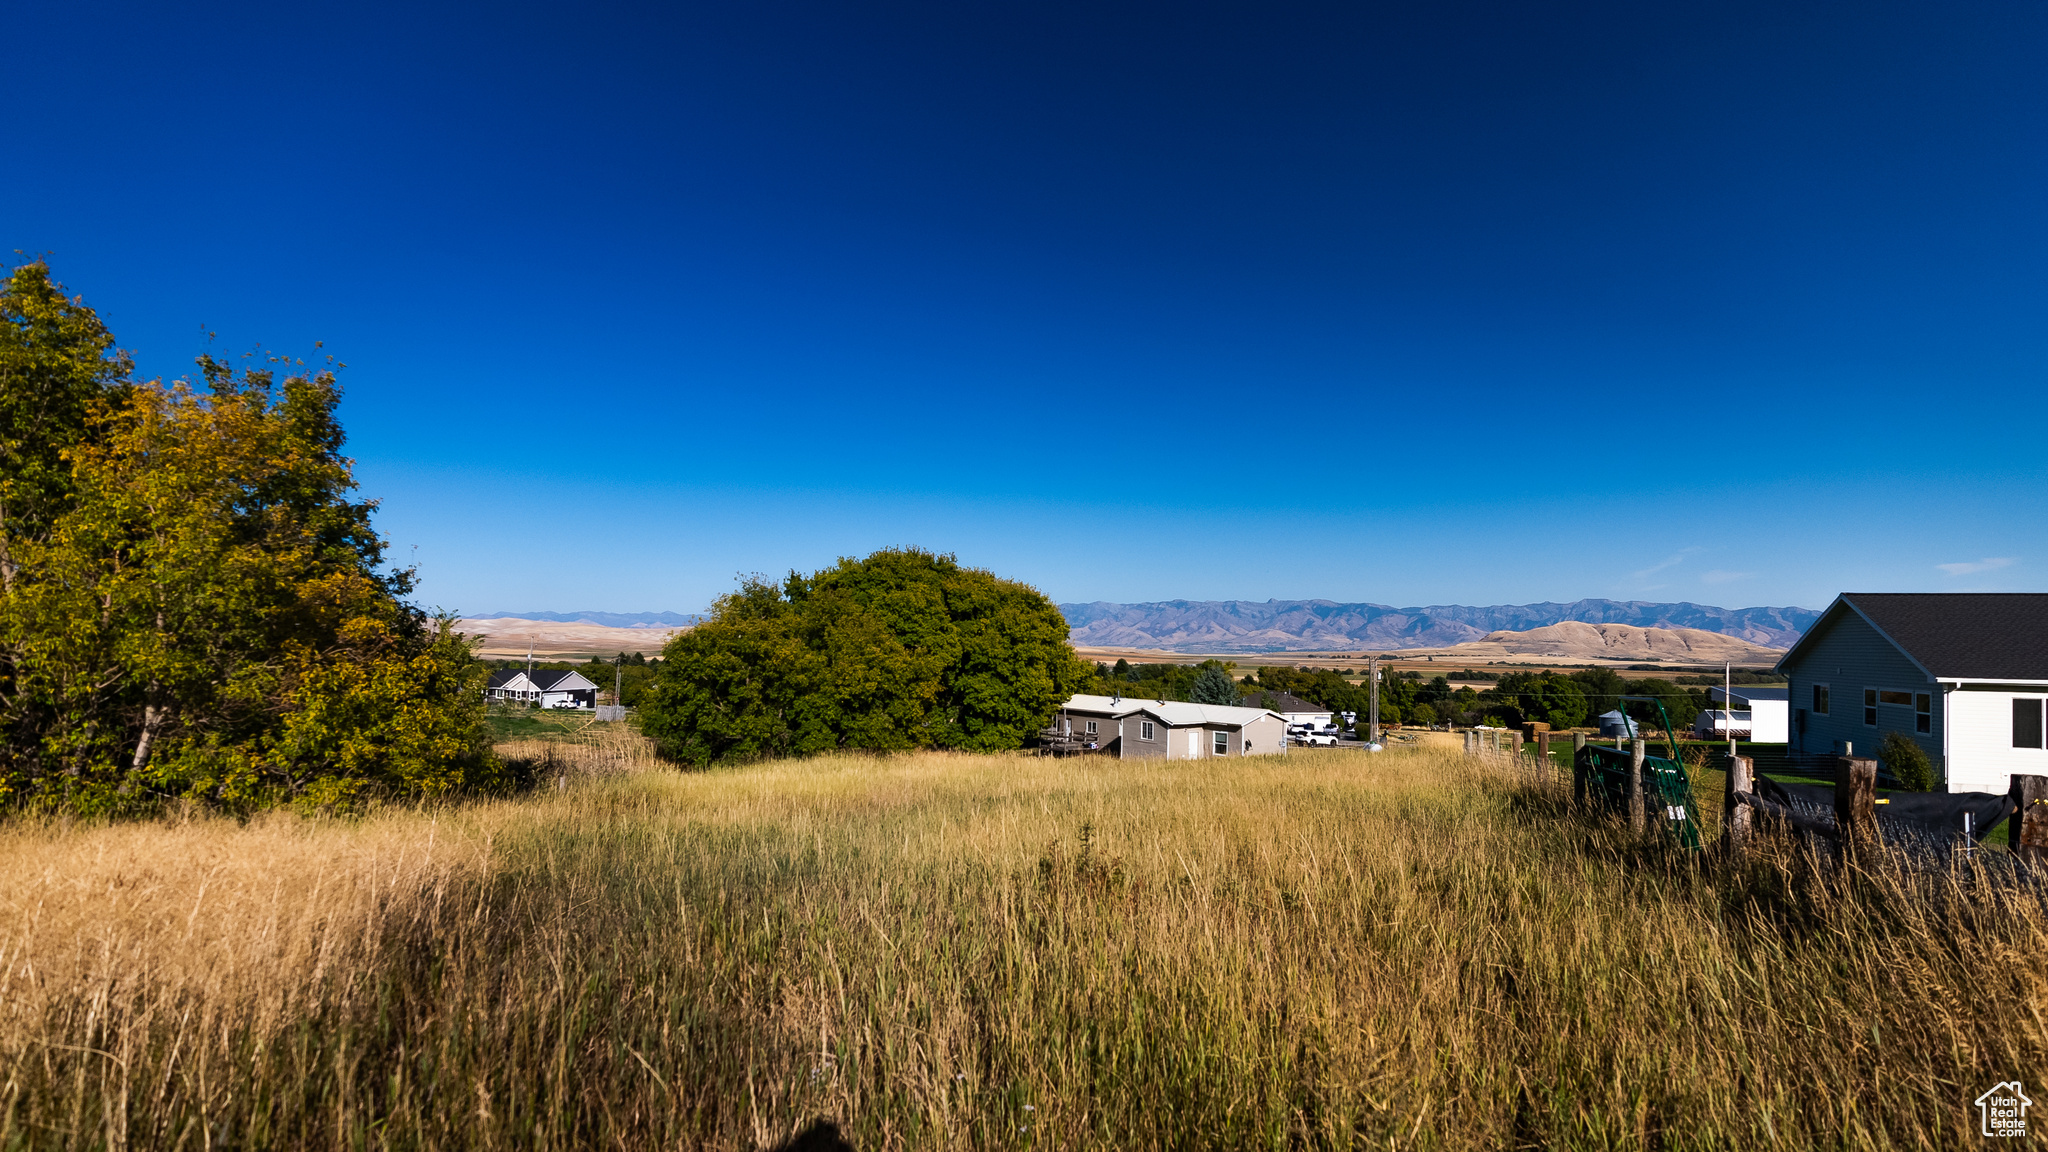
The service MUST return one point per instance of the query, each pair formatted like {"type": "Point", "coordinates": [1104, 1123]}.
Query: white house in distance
{"type": "Point", "coordinates": [1172, 730]}
{"type": "Point", "coordinates": [1962, 674]}
{"type": "Point", "coordinates": [1759, 714]}
{"type": "Point", "coordinates": [547, 687]}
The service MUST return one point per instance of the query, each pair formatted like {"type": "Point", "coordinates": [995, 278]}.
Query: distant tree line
{"type": "Point", "coordinates": [1560, 700]}
{"type": "Point", "coordinates": [1580, 697]}
{"type": "Point", "coordinates": [1157, 681]}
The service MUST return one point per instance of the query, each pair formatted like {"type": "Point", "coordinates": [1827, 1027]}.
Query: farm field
{"type": "Point", "coordinates": [1411, 950]}
{"type": "Point", "coordinates": [510, 638]}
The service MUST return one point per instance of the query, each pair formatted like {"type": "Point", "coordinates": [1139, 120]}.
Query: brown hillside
{"type": "Point", "coordinates": [507, 638]}
{"type": "Point", "coordinates": [1575, 640]}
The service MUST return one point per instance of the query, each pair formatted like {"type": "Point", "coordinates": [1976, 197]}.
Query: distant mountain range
{"type": "Point", "coordinates": [1305, 625]}
{"type": "Point", "coordinates": [608, 619]}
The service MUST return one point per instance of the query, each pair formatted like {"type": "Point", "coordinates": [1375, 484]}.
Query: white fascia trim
{"type": "Point", "coordinates": [1960, 680]}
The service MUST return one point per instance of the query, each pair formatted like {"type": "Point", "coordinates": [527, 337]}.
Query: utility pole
{"type": "Point", "coordinates": [529, 666]}
{"type": "Point", "coordinates": [1374, 668]}
{"type": "Point", "coordinates": [619, 683]}
{"type": "Point", "coordinates": [1728, 705]}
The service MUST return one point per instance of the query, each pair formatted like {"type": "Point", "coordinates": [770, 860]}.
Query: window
{"type": "Point", "coordinates": [1091, 727]}
{"type": "Point", "coordinates": [2026, 723]}
{"type": "Point", "coordinates": [1145, 730]}
{"type": "Point", "coordinates": [1895, 698]}
{"type": "Point", "coordinates": [1820, 699]}
{"type": "Point", "coordinates": [1870, 707]}
{"type": "Point", "coordinates": [1223, 743]}
{"type": "Point", "coordinates": [1923, 712]}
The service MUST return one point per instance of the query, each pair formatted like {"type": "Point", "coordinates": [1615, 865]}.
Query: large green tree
{"type": "Point", "coordinates": [903, 649]}
{"type": "Point", "coordinates": [198, 606]}
{"type": "Point", "coordinates": [57, 363]}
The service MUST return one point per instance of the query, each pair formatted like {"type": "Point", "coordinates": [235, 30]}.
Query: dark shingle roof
{"type": "Point", "coordinates": [1971, 635]}
{"type": "Point", "coordinates": [1278, 701]}
{"type": "Point", "coordinates": [543, 678]}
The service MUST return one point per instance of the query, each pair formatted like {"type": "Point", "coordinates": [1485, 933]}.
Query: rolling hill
{"type": "Point", "coordinates": [1574, 640]}
{"type": "Point", "coordinates": [1307, 625]}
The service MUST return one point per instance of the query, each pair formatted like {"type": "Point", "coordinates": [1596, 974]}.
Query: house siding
{"type": "Point", "coordinates": [1136, 747]}
{"type": "Point", "coordinates": [1106, 727]}
{"type": "Point", "coordinates": [1267, 734]}
{"type": "Point", "coordinates": [1848, 655]}
{"type": "Point", "coordinates": [1981, 755]}
{"type": "Point", "coordinates": [1268, 737]}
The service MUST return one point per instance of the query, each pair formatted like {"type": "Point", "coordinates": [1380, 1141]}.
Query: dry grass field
{"type": "Point", "coordinates": [1332, 950]}
{"type": "Point", "coordinates": [511, 638]}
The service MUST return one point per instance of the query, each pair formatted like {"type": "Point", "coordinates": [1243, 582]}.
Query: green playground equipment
{"type": "Point", "coordinates": [1602, 772]}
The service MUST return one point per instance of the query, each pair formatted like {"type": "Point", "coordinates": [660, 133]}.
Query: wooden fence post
{"type": "Point", "coordinates": [1578, 780]}
{"type": "Point", "coordinates": [1855, 798]}
{"type": "Point", "coordinates": [1543, 749]}
{"type": "Point", "coordinates": [1637, 750]}
{"type": "Point", "coordinates": [2030, 819]}
{"type": "Point", "coordinates": [1735, 815]}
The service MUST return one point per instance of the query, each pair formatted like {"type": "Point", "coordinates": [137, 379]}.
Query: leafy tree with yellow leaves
{"type": "Point", "coordinates": [201, 610]}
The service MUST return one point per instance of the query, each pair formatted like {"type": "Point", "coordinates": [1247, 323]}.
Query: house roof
{"type": "Point", "coordinates": [1279, 701]}
{"type": "Point", "coordinates": [1953, 635]}
{"type": "Point", "coordinates": [1174, 713]}
{"type": "Point", "coordinates": [542, 679]}
{"type": "Point", "coordinates": [560, 680]}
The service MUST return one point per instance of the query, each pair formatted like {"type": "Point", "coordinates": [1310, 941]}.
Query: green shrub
{"type": "Point", "coordinates": [903, 649]}
{"type": "Point", "coordinates": [1903, 757]}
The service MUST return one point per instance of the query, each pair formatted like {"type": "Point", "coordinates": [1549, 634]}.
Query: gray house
{"type": "Point", "coordinates": [1172, 730]}
{"type": "Point", "coordinates": [1963, 674]}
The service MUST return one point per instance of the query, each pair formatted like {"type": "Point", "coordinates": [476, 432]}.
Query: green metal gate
{"type": "Point", "coordinates": [1601, 773]}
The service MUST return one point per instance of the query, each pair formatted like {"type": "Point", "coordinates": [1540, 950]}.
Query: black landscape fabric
{"type": "Point", "coordinates": [1932, 811]}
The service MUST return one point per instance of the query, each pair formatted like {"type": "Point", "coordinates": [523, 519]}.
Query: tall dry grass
{"type": "Point", "coordinates": [1408, 950]}
{"type": "Point", "coordinates": [596, 750]}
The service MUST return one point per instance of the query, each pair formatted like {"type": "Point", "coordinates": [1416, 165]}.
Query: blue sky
{"type": "Point", "coordinates": [1481, 303]}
